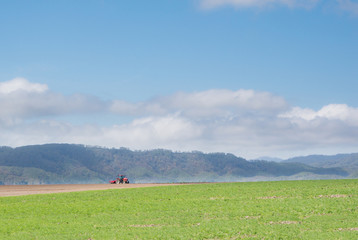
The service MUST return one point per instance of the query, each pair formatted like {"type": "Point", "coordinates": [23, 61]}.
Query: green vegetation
{"type": "Point", "coordinates": [325, 209]}
{"type": "Point", "coordinates": [70, 163]}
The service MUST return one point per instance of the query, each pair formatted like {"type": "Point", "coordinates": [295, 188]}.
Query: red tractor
{"type": "Point", "coordinates": [121, 179]}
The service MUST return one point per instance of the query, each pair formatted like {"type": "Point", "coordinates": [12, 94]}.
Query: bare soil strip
{"type": "Point", "coordinates": [18, 190]}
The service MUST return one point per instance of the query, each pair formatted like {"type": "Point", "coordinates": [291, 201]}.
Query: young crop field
{"type": "Point", "coordinates": [326, 209]}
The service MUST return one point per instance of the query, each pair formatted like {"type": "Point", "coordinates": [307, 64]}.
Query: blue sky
{"type": "Point", "coordinates": [251, 77]}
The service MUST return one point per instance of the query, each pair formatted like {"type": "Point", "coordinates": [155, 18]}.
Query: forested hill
{"type": "Point", "coordinates": [348, 162]}
{"type": "Point", "coordinates": [69, 163]}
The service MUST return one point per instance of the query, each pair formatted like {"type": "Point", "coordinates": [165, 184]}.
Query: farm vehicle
{"type": "Point", "coordinates": [120, 179]}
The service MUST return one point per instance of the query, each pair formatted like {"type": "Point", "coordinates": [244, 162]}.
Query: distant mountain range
{"type": "Point", "coordinates": [70, 163]}
{"type": "Point", "coordinates": [348, 162]}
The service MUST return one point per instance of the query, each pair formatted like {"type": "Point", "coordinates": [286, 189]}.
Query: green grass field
{"type": "Point", "coordinates": [326, 209]}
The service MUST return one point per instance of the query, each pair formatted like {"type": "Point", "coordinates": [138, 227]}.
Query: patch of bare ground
{"type": "Point", "coordinates": [272, 197]}
{"type": "Point", "coordinates": [318, 214]}
{"type": "Point", "coordinates": [18, 190]}
{"type": "Point", "coordinates": [283, 222]}
{"type": "Point", "coordinates": [348, 229]}
{"type": "Point", "coordinates": [244, 236]}
{"type": "Point", "coordinates": [146, 225]}
{"type": "Point", "coordinates": [218, 198]}
{"type": "Point", "coordinates": [251, 217]}
{"type": "Point", "coordinates": [334, 196]}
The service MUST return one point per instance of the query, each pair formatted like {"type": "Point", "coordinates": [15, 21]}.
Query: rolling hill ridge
{"type": "Point", "coordinates": [71, 163]}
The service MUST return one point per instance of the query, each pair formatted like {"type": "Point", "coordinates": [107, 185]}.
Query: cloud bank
{"type": "Point", "coordinates": [245, 122]}
{"type": "Point", "coordinates": [350, 6]}
{"type": "Point", "coordinates": [209, 4]}
{"type": "Point", "coordinates": [22, 100]}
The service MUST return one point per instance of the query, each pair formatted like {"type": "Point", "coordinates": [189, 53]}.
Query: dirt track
{"type": "Point", "coordinates": [17, 190]}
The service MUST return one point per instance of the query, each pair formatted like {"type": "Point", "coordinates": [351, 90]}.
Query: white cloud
{"type": "Point", "coordinates": [21, 99]}
{"type": "Point", "coordinates": [21, 84]}
{"type": "Point", "coordinates": [247, 123]}
{"type": "Point", "coordinates": [159, 131]}
{"type": "Point", "coordinates": [340, 112]}
{"type": "Point", "coordinates": [170, 132]}
{"type": "Point", "coordinates": [349, 6]}
{"type": "Point", "coordinates": [211, 103]}
{"type": "Point", "coordinates": [209, 4]}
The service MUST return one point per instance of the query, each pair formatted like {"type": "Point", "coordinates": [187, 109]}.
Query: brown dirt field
{"type": "Point", "coordinates": [18, 190]}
